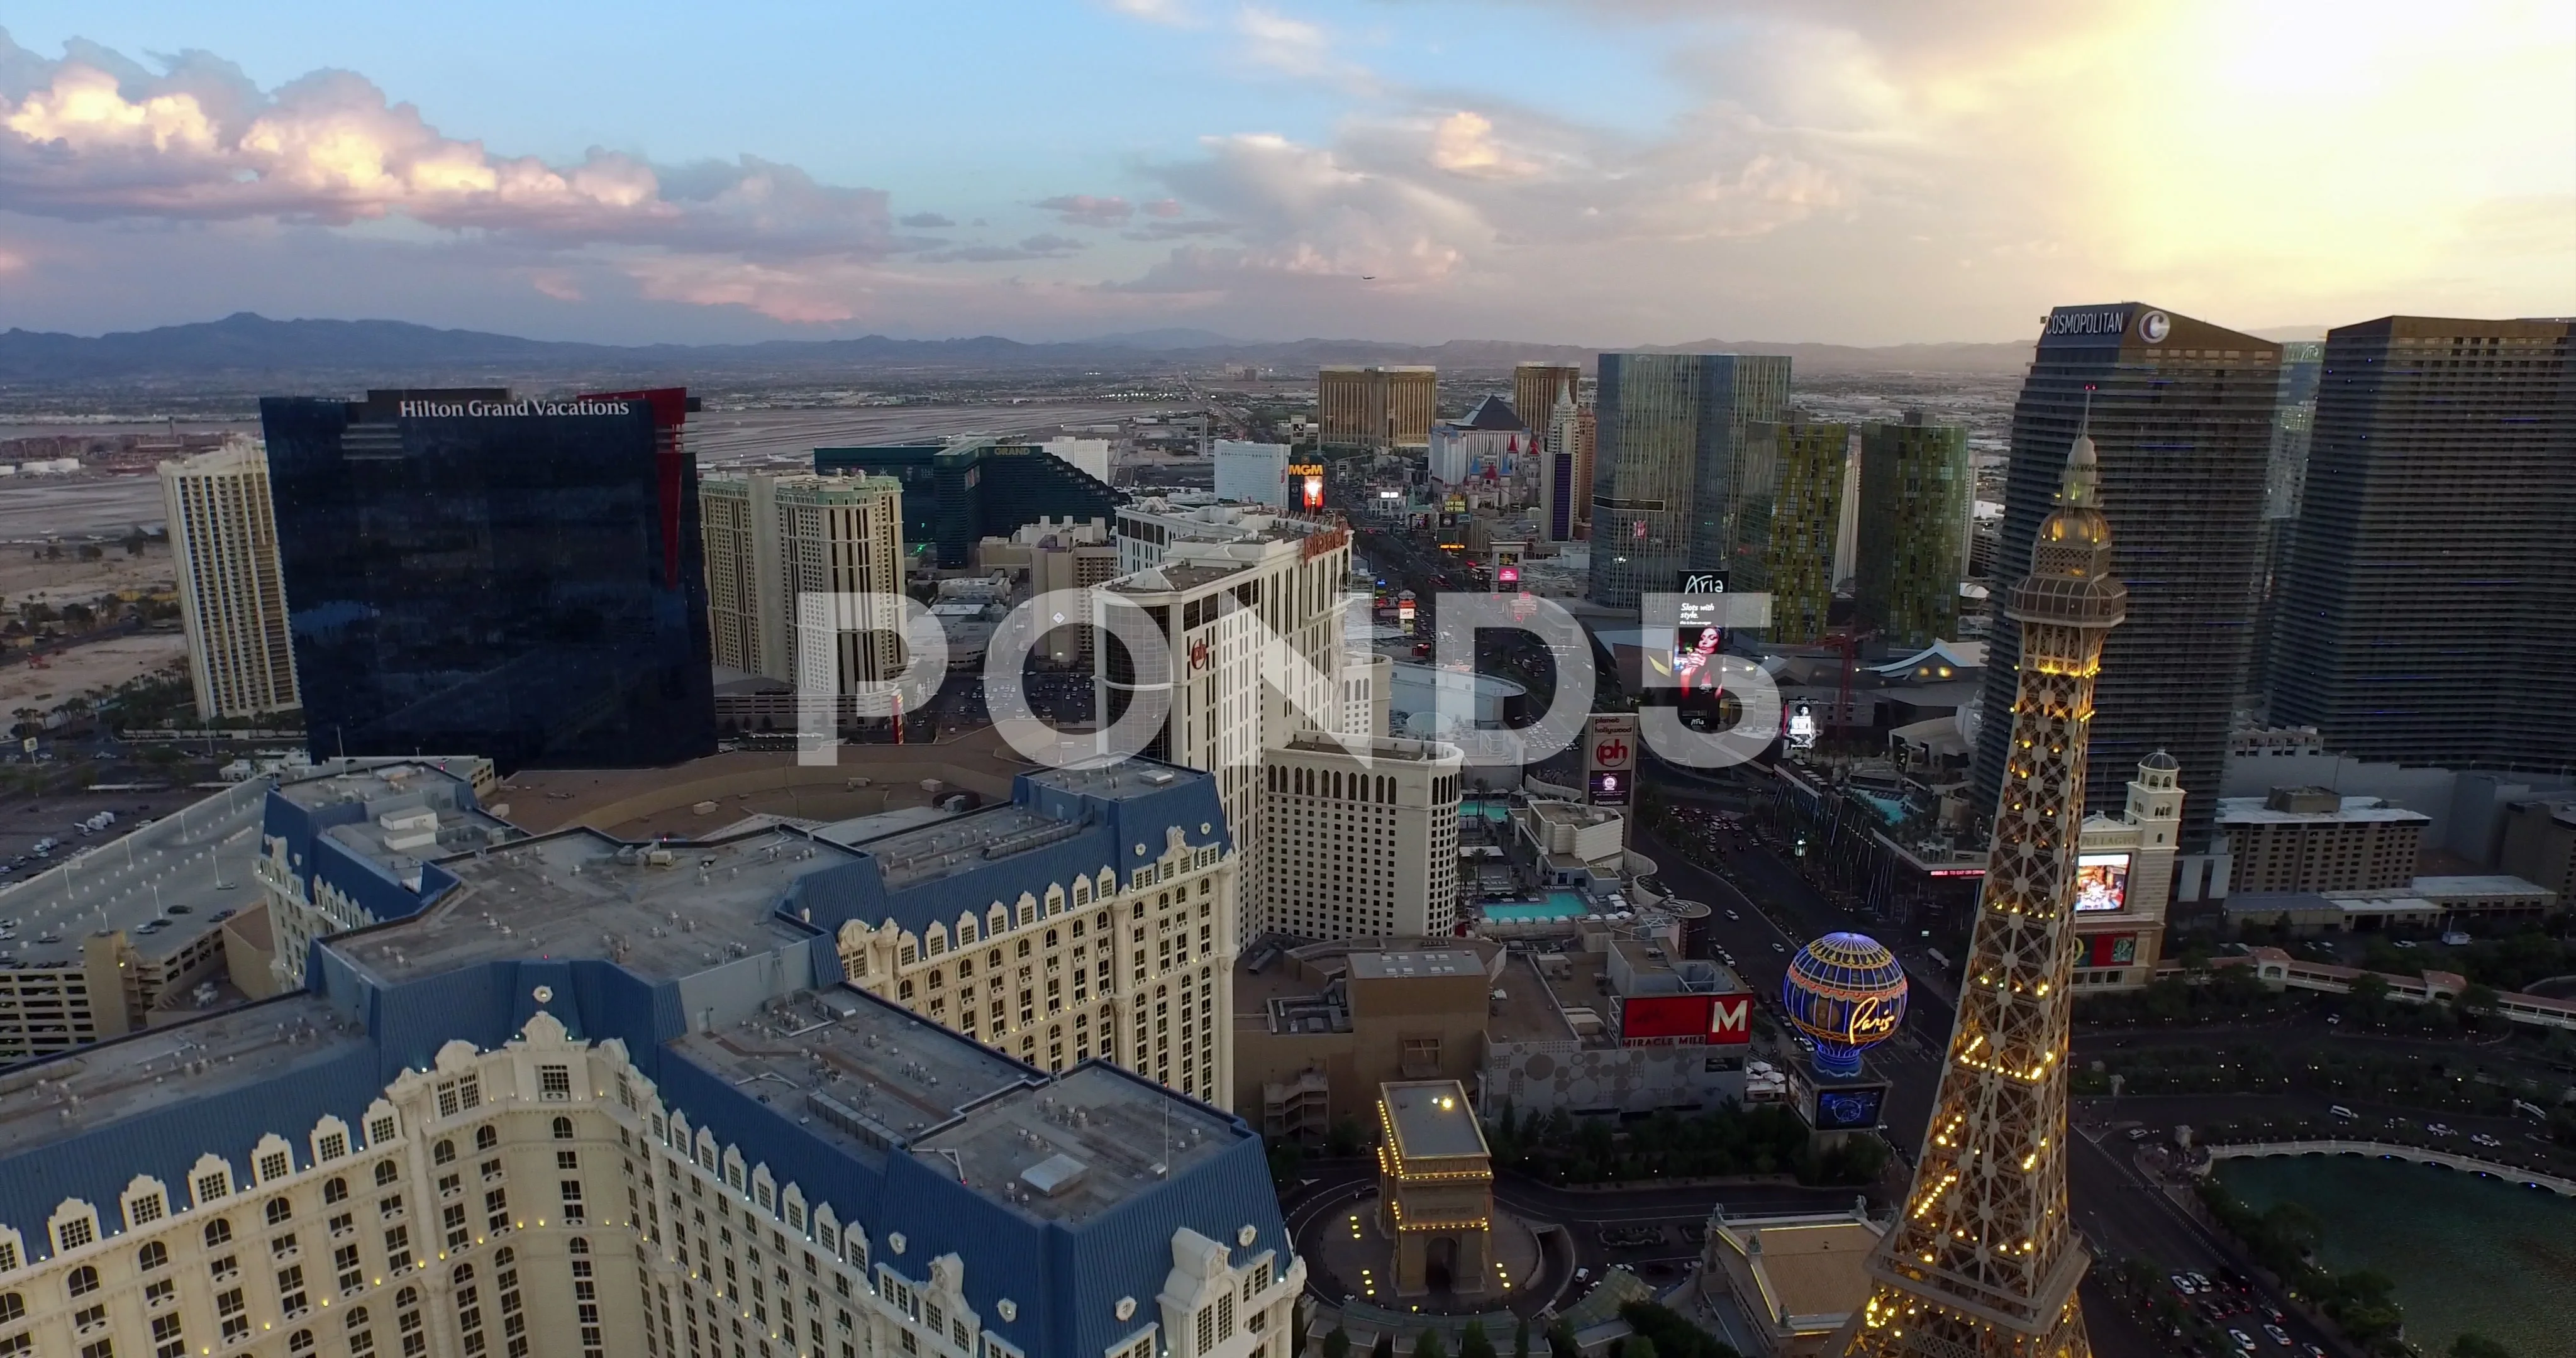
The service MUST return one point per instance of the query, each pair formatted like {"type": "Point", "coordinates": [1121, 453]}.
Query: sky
{"type": "Point", "coordinates": [1597, 172]}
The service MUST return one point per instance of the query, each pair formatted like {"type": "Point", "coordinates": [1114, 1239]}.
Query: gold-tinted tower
{"type": "Point", "coordinates": [1981, 1263]}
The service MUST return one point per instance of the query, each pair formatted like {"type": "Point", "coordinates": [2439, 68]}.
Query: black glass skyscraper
{"type": "Point", "coordinates": [476, 574]}
{"type": "Point", "coordinates": [2427, 611]}
{"type": "Point", "coordinates": [2181, 415]}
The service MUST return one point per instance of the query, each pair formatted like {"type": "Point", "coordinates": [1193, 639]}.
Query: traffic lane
{"type": "Point", "coordinates": [1760, 948]}
{"type": "Point", "coordinates": [2135, 1218]}
{"type": "Point", "coordinates": [1752, 938]}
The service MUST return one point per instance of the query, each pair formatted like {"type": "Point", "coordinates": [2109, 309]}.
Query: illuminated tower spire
{"type": "Point", "coordinates": [1981, 1263]}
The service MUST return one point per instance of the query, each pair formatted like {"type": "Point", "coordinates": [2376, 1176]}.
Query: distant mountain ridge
{"type": "Point", "coordinates": [246, 345]}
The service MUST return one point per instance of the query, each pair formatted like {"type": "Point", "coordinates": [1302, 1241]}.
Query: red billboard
{"type": "Point", "coordinates": [1686, 1020]}
{"type": "Point", "coordinates": [2112, 950]}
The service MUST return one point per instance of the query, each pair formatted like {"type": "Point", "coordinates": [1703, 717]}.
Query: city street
{"type": "Point", "coordinates": [2113, 1208]}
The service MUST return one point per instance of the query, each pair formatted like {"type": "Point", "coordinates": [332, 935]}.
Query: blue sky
{"type": "Point", "coordinates": [1591, 171]}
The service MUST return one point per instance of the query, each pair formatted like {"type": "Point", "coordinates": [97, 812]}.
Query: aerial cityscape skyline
{"type": "Point", "coordinates": [1855, 175]}
{"type": "Point", "coordinates": [1288, 679]}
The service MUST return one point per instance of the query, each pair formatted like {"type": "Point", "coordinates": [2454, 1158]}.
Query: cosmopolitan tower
{"type": "Point", "coordinates": [1981, 1264]}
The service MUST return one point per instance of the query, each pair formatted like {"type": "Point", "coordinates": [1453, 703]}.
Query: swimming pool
{"type": "Point", "coordinates": [1558, 905]}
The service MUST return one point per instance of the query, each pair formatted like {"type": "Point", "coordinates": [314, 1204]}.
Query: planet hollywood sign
{"type": "Point", "coordinates": [434, 410]}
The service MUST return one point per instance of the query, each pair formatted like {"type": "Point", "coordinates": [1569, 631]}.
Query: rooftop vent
{"type": "Point", "coordinates": [1054, 1176]}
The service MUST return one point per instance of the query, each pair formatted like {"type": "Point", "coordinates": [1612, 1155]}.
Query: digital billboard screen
{"type": "Point", "coordinates": [2101, 882]}
{"type": "Point", "coordinates": [1608, 787]}
{"type": "Point", "coordinates": [1849, 1108]}
{"type": "Point", "coordinates": [1686, 1020]}
{"type": "Point", "coordinates": [1698, 634]}
{"type": "Point", "coordinates": [2111, 950]}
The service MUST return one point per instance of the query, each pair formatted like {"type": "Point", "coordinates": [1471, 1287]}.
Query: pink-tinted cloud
{"type": "Point", "coordinates": [91, 137]}
{"type": "Point", "coordinates": [1082, 209]}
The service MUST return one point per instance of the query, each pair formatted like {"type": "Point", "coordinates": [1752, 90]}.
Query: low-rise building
{"type": "Point", "coordinates": [2424, 904]}
{"type": "Point", "coordinates": [124, 934]}
{"type": "Point", "coordinates": [2314, 839]}
{"type": "Point", "coordinates": [2540, 843]}
{"type": "Point", "coordinates": [1435, 1187]}
{"type": "Point", "coordinates": [1571, 844]}
{"type": "Point", "coordinates": [1792, 1279]}
{"type": "Point", "coordinates": [1318, 1028]}
{"type": "Point", "coordinates": [1616, 1026]}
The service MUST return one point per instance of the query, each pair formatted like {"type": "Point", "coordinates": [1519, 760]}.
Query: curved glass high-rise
{"type": "Point", "coordinates": [1675, 486]}
{"type": "Point", "coordinates": [2181, 411]}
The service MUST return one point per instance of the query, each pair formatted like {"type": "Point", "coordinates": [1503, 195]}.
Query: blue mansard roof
{"type": "Point", "coordinates": [384, 999]}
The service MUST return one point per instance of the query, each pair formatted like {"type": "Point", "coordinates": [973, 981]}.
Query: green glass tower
{"type": "Point", "coordinates": [1917, 491]}
{"type": "Point", "coordinates": [1672, 484]}
{"type": "Point", "coordinates": [1790, 515]}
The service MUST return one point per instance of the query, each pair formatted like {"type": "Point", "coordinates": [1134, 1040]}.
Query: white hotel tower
{"type": "Point", "coordinates": [1211, 578]}
{"type": "Point", "coordinates": [223, 543]}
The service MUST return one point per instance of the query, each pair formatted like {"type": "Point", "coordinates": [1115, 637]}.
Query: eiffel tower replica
{"type": "Point", "coordinates": [1982, 1264]}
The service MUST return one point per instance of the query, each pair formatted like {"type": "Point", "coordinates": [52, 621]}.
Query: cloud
{"type": "Point", "coordinates": [94, 137]}
{"type": "Point", "coordinates": [556, 283]}
{"type": "Point", "coordinates": [1174, 12]}
{"type": "Point", "coordinates": [1463, 143]}
{"type": "Point", "coordinates": [1176, 230]}
{"type": "Point", "coordinates": [1045, 245]}
{"type": "Point", "coordinates": [1859, 170]}
{"type": "Point", "coordinates": [1293, 46]}
{"type": "Point", "coordinates": [1081, 209]}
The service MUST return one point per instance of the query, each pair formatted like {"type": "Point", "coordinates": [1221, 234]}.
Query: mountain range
{"type": "Point", "coordinates": [255, 350]}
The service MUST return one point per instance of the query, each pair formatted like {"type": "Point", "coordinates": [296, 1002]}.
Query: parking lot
{"type": "Point", "coordinates": [26, 822]}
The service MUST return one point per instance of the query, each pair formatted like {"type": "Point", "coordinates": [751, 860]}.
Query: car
{"type": "Point", "coordinates": [2482, 1139]}
{"type": "Point", "coordinates": [49, 938]}
{"type": "Point", "coordinates": [2439, 1129]}
{"type": "Point", "coordinates": [2277, 1335]}
{"type": "Point", "coordinates": [2273, 1313]}
{"type": "Point", "coordinates": [2314, 1350]}
{"type": "Point", "coordinates": [2201, 1281]}
{"type": "Point", "coordinates": [183, 910]}
{"type": "Point", "coordinates": [2340, 1113]}
{"type": "Point", "coordinates": [1779, 947]}
{"type": "Point", "coordinates": [2141, 1133]}
{"type": "Point", "coordinates": [2182, 1284]}
{"type": "Point", "coordinates": [1732, 915]}
{"type": "Point", "coordinates": [2244, 1341]}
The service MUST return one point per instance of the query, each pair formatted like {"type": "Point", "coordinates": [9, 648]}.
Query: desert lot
{"type": "Point", "coordinates": [26, 577]}
{"type": "Point", "coordinates": [103, 664]}
{"type": "Point", "coordinates": [33, 509]}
